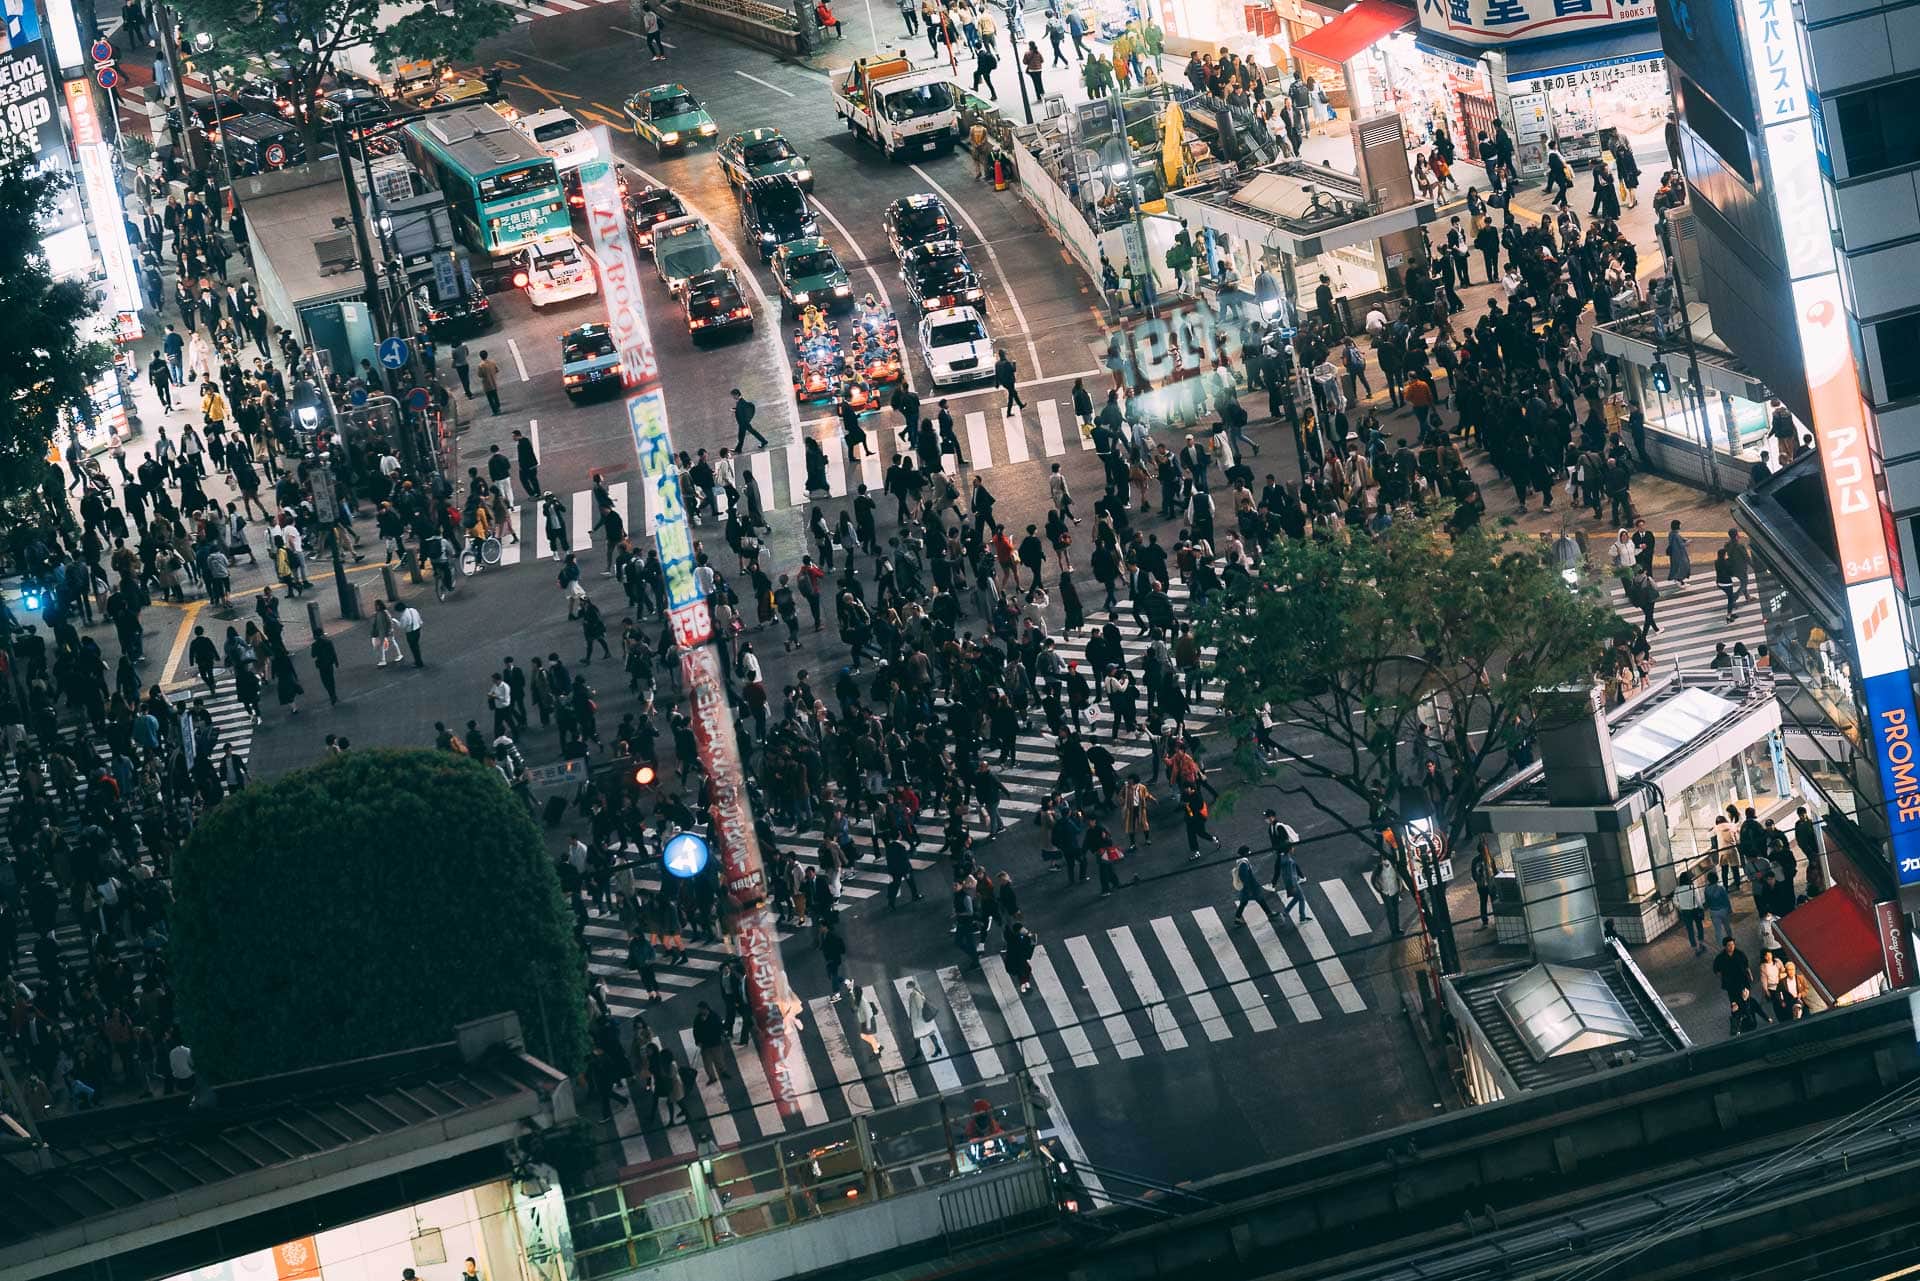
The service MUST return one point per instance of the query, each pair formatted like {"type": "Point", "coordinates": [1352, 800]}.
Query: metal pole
{"type": "Point", "coordinates": [1693, 358]}
{"type": "Point", "coordinates": [170, 51]}
{"type": "Point", "coordinates": [1133, 200]}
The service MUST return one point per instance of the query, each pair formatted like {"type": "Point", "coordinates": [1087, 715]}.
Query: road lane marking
{"type": "Point", "coordinates": [1174, 948]}
{"type": "Point", "coordinates": [182, 638]}
{"type": "Point", "coordinates": [753, 1075]}
{"type": "Point", "coordinates": [1227, 957]}
{"type": "Point", "coordinates": [1065, 1020]}
{"type": "Point", "coordinates": [1134, 963]}
{"type": "Point", "coordinates": [973, 1029]}
{"type": "Point", "coordinates": [1015, 429]}
{"type": "Point", "coordinates": [519, 362]}
{"type": "Point", "coordinates": [1281, 965]}
{"type": "Point", "coordinates": [1331, 970]}
{"type": "Point", "coordinates": [1093, 979]}
{"type": "Point", "coordinates": [979, 441]}
{"type": "Point", "coordinates": [833, 1034]}
{"type": "Point", "coordinates": [1014, 1011]}
{"type": "Point", "coordinates": [1006, 286]}
{"type": "Point", "coordinates": [582, 521]}
{"type": "Point", "coordinates": [1346, 908]}
{"type": "Point", "coordinates": [712, 1095]}
{"type": "Point", "coordinates": [1051, 441]}
{"type": "Point", "coordinates": [757, 80]}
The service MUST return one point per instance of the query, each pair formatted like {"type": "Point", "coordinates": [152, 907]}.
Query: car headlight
{"type": "Point", "coordinates": [802, 296]}
{"type": "Point", "coordinates": [804, 175]}
{"type": "Point", "coordinates": [709, 128]}
{"type": "Point", "coordinates": [811, 229]}
{"type": "Point", "coordinates": [670, 137]}
{"type": "Point", "coordinates": [974, 294]}
{"type": "Point", "coordinates": [841, 291]}
{"type": "Point", "coordinates": [766, 237]}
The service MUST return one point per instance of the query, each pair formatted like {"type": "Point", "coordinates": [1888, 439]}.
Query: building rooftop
{"type": "Point", "coordinates": [1550, 1024]}
{"type": "Point", "coordinates": [291, 212]}
{"type": "Point", "coordinates": [173, 1166]}
{"type": "Point", "coordinates": [1308, 208]}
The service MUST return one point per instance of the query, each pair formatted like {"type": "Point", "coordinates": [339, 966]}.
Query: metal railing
{"type": "Point", "coordinates": [699, 1203]}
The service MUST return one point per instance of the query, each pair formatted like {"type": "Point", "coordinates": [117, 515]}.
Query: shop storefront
{"type": "Point", "coordinates": [1679, 754]}
{"type": "Point", "coordinates": [1556, 72]}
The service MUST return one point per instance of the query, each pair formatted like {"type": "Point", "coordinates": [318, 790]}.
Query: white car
{"type": "Point", "coordinates": [956, 346]}
{"type": "Point", "coordinates": [555, 270]}
{"type": "Point", "coordinates": [557, 133]}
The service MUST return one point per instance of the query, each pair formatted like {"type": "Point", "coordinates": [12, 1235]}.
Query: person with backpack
{"type": "Point", "coordinates": [1246, 885]}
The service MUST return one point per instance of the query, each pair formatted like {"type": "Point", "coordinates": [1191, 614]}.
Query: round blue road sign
{"type": "Point", "coordinates": [685, 855]}
{"type": "Point", "coordinates": [393, 353]}
{"type": "Point", "coordinates": [418, 398]}
{"type": "Point", "coordinates": [358, 396]}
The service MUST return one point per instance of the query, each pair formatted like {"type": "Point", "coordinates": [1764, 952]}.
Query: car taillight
{"type": "Point", "coordinates": [739, 312]}
{"type": "Point", "coordinates": [615, 368]}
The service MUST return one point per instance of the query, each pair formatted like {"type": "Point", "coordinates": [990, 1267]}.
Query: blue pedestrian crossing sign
{"type": "Point", "coordinates": [393, 353]}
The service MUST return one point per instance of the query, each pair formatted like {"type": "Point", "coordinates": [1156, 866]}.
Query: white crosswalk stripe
{"type": "Point", "coordinates": [1014, 428]}
{"type": "Point", "coordinates": [233, 728]}
{"type": "Point", "coordinates": [979, 443]}
{"type": "Point", "coordinates": [1692, 620]}
{"type": "Point", "coordinates": [1109, 995]}
{"type": "Point", "coordinates": [1048, 412]}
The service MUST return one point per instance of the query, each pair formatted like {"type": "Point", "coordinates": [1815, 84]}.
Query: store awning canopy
{"type": "Point", "coordinates": [1358, 29]}
{"type": "Point", "coordinates": [1836, 940]}
{"type": "Point", "coordinates": [1563, 57]}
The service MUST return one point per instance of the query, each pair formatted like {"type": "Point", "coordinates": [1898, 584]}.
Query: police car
{"type": "Point", "coordinates": [917, 220]}
{"type": "Point", "coordinates": [555, 270]}
{"type": "Point", "coordinates": [588, 361]}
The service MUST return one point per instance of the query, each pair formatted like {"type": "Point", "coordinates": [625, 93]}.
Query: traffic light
{"type": "Point", "coordinates": [1662, 379]}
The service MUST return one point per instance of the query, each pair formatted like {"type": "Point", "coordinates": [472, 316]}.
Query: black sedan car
{"type": "Point", "coordinates": [915, 220]}
{"type": "Point", "coordinates": [647, 208]}
{"type": "Point", "coordinates": [470, 313]}
{"type": "Point", "coordinates": [715, 305]}
{"type": "Point", "coordinates": [774, 212]}
{"type": "Point", "coordinates": [938, 275]}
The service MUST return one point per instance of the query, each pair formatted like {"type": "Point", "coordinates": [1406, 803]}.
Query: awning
{"type": "Point", "coordinates": [1585, 53]}
{"type": "Point", "coordinates": [1836, 940]}
{"type": "Point", "coordinates": [1358, 29]}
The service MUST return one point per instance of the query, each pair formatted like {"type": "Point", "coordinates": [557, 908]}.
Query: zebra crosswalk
{"type": "Point", "coordinates": [234, 729]}
{"type": "Point", "coordinates": [1029, 777]}
{"type": "Point", "coordinates": [1149, 988]}
{"type": "Point", "coordinates": [1043, 430]}
{"type": "Point", "coordinates": [1692, 620]}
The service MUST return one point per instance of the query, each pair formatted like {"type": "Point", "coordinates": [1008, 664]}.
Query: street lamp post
{"type": "Point", "coordinates": [1117, 157]}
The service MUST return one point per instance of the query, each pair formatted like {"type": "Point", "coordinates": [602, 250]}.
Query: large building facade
{"type": "Point", "coordinates": [1796, 132]}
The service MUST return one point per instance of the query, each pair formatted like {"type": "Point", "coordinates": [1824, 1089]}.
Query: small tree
{"type": "Point", "coordinates": [47, 363]}
{"type": "Point", "coordinates": [310, 36]}
{"type": "Point", "coordinates": [1416, 642]}
{"type": "Point", "coordinates": [366, 905]}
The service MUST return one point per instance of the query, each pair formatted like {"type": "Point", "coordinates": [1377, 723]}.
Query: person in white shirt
{"type": "Point", "coordinates": [1376, 322]}
{"type": "Point", "coordinates": [180, 1072]}
{"type": "Point", "coordinates": [500, 702]}
{"type": "Point", "coordinates": [410, 623]}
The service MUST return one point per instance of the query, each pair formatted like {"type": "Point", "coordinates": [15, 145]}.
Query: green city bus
{"type": "Point", "coordinates": [502, 191]}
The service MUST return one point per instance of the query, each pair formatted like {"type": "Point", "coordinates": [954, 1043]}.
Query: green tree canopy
{"type": "Point", "coordinates": [46, 361]}
{"type": "Point", "coordinates": [308, 37]}
{"type": "Point", "coordinates": [366, 905]}
{"type": "Point", "coordinates": [1367, 643]}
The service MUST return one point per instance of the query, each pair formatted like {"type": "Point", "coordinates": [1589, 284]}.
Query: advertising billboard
{"type": "Point", "coordinates": [1841, 420]}
{"type": "Point", "coordinates": [1499, 22]}
{"type": "Point", "coordinates": [30, 123]}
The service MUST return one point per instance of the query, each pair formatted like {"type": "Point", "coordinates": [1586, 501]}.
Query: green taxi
{"type": "Point", "coordinates": [669, 117]}
{"type": "Point", "coordinates": [809, 274]}
{"type": "Point", "coordinates": [762, 153]}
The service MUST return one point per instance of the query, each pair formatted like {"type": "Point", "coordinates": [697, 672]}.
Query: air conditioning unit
{"type": "Point", "coordinates": [336, 252]}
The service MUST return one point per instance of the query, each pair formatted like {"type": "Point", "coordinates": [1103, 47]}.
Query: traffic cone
{"type": "Point", "coordinates": [999, 175]}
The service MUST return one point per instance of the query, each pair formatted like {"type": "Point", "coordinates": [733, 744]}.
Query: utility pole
{"type": "Point", "coordinates": [165, 23]}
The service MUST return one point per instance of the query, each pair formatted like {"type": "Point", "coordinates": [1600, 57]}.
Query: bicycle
{"type": "Point", "coordinates": [479, 553]}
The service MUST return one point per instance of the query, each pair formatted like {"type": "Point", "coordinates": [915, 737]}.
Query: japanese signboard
{"type": "Point", "coordinates": [1842, 423]}
{"type": "Point", "coordinates": [776, 1011]}
{"type": "Point", "coordinates": [1495, 22]}
{"type": "Point", "coordinates": [30, 124]}
{"type": "Point", "coordinates": [102, 186]}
